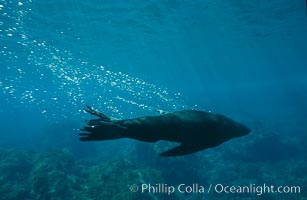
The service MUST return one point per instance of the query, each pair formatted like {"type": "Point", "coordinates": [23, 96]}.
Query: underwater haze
{"type": "Point", "coordinates": [243, 59]}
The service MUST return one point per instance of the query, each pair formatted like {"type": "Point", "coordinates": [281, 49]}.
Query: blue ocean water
{"type": "Point", "coordinates": [243, 59]}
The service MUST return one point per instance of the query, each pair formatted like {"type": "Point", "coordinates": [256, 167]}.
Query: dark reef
{"type": "Point", "coordinates": [61, 173]}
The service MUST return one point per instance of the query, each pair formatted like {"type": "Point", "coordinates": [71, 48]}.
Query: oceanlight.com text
{"type": "Point", "coordinates": [196, 188]}
{"type": "Point", "coordinates": [257, 189]}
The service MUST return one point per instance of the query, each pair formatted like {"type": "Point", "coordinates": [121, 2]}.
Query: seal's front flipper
{"type": "Point", "coordinates": [182, 150]}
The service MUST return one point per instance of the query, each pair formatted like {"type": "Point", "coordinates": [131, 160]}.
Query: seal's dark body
{"type": "Point", "coordinates": [195, 130]}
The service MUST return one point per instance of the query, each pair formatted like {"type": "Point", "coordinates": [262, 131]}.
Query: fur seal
{"type": "Point", "coordinates": [195, 130]}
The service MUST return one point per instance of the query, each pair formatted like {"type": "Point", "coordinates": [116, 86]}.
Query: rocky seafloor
{"type": "Point", "coordinates": [59, 174]}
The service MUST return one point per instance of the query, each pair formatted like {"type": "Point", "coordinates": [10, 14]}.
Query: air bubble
{"type": "Point", "coordinates": [76, 86]}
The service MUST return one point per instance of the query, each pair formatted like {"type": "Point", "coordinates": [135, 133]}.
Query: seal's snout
{"type": "Point", "coordinates": [240, 130]}
{"type": "Point", "coordinates": [245, 130]}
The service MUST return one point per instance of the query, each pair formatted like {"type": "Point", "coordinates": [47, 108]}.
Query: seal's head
{"type": "Point", "coordinates": [232, 128]}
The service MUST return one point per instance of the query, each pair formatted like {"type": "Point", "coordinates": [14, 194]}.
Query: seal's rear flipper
{"type": "Point", "coordinates": [101, 130]}
{"type": "Point", "coordinates": [102, 117]}
{"type": "Point", "coordinates": [182, 150]}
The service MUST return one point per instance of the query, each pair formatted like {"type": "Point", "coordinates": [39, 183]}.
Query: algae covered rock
{"type": "Point", "coordinates": [114, 179]}
{"type": "Point", "coordinates": [55, 176]}
{"type": "Point", "coordinates": [15, 168]}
